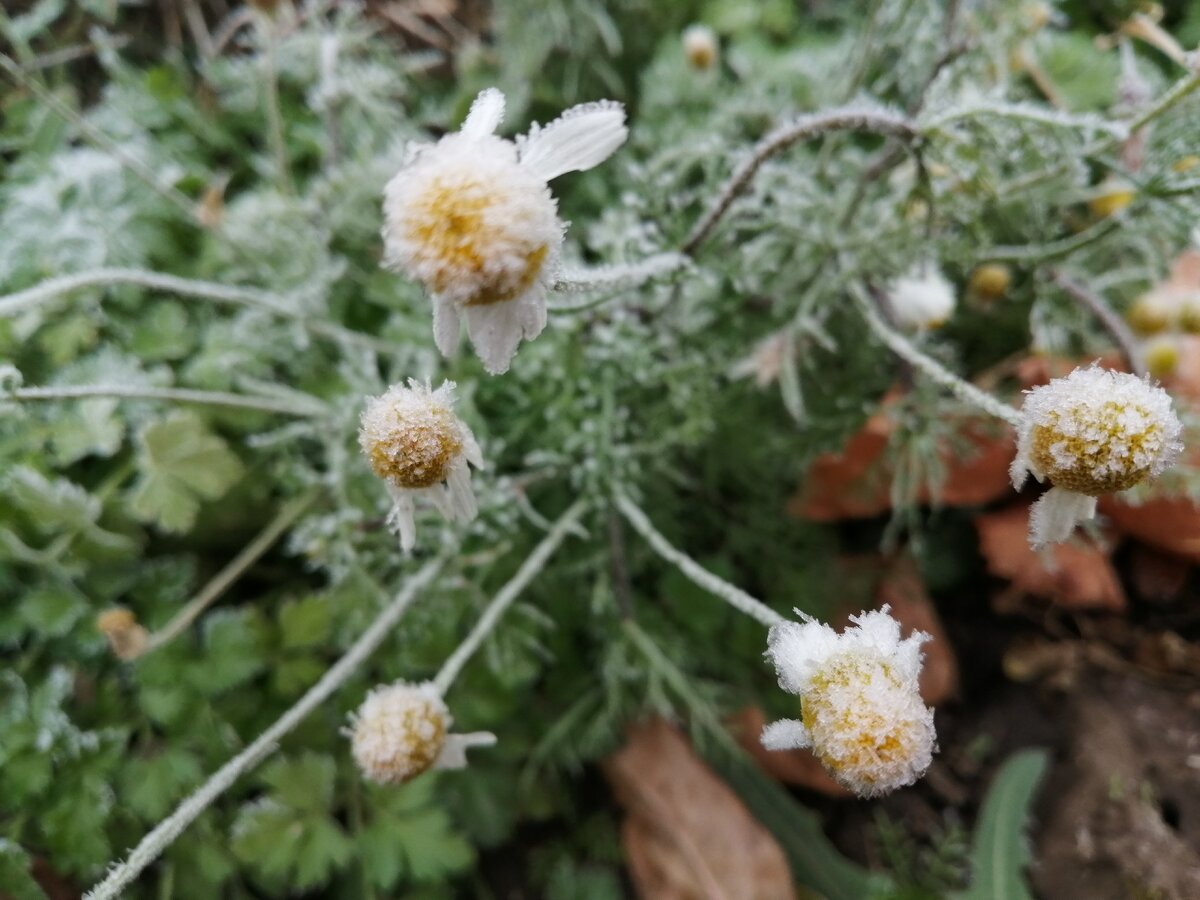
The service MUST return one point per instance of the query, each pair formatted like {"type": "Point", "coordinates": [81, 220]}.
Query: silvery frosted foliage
{"type": "Point", "coordinates": [922, 299]}
{"type": "Point", "coordinates": [1091, 433]}
{"type": "Point", "coordinates": [419, 448]}
{"type": "Point", "coordinates": [472, 218]}
{"type": "Point", "coordinates": [862, 713]}
{"type": "Point", "coordinates": [402, 730]}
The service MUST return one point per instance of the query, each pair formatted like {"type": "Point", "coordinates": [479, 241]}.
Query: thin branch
{"type": "Point", "coordinates": [578, 281]}
{"type": "Point", "coordinates": [731, 594]}
{"type": "Point", "coordinates": [220, 582]}
{"type": "Point", "coordinates": [163, 834]}
{"type": "Point", "coordinates": [18, 302]}
{"type": "Point", "coordinates": [1051, 249]}
{"type": "Point", "coordinates": [534, 563]}
{"type": "Point", "coordinates": [1113, 324]}
{"type": "Point", "coordinates": [930, 367]}
{"type": "Point", "coordinates": [875, 121]}
{"type": "Point", "coordinates": [171, 395]}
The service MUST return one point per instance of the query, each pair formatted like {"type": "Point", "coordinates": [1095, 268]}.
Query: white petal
{"type": "Point", "coordinates": [445, 327]}
{"type": "Point", "coordinates": [401, 519]}
{"type": "Point", "coordinates": [1056, 514]}
{"type": "Point", "coordinates": [454, 750]}
{"type": "Point", "coordinates": [582, 137]}
{"type": "Point", "coordinates": [461, 498]}
{"type": "Point", "coordinates": [786, 734]}
{"type": "Point", "coordinates": [485, 115]}
{"type": "Point", "coordinates": [496, 329]}
{"type": "Point", "coordinates": [471, 447]}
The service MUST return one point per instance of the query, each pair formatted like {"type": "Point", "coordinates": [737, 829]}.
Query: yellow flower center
{"type": "Point", "coordinates": [856, 739]}
{"type": "Point", "coordinates": [1103, 459]}
{"type": "Point", "coordinates": [449, 221]}
{"type": "Point", "coordinates": [417, 449]}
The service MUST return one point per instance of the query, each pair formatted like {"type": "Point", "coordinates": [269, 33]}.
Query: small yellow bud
{"type": "Point", "coordinates": [1189, 315]}
{"type": "Point", "coordinates": [1186, 163]}
{"type": "Point", "coordinates": [990, 281]}
{"type": "Point", "coordinates": [1111, 197]}
{"type": "Point", "coordinates": [126, 637]}
{"type": "Point", "coordinates": [1150, 314]}
{"type": "Point", "coordinates": [700, 47]}
{"type": "Point", "coordinates": [1162, 357]}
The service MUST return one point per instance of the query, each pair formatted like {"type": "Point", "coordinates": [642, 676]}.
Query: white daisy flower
{"type": "Point", "coordinates": [420, 448]}
{"type": "Point", "coordinates": [862, 713]}
{"type": "Point", "coordinates": [1093, 432]}
{"type": "Point", "coordinates": [472, 218]}
{"type": "Point", "coordinates": [923, 299]}
{"type": "Point", "coordinates": [402, 729]}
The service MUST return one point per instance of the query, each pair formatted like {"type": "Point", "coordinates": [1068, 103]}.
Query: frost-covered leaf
{"type": "Point", "coordinates": [181, 463]}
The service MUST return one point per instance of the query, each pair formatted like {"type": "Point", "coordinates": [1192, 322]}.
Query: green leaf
{"type": "Point", "coordinates": [16, 882]}
{"type": "Point", "coordinates": [151, 787]}
{"type": "Point", "coordinates": [235, 649]}
{"type": "Point", "coordinates": [162, 332]}
{"type": "Point", "coordinates": [306, 623]}
{"type": "Point", "coordinates": [89, 429]}
{"type": "Point", "coordinates": [181, 463]}
{"type": "Point", "coordinates": [999, 853]}
{"type": "Point", "coordinates": [51, 609]}
{"type": "Point", "coordinates": [303, 783]}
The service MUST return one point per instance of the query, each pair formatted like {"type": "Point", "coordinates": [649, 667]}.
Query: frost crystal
{"type": "Point", "coordinates": [419, 447]}
{"type": "Point", "coordinates": [472, 218]}
{"type": "Point", "coordinates": [923, 299]}
{"type": "Point", "coordinates": [862, 712]}
{"type": "Point", "coordinates": [402, 729]}
{"type": "Point", "coordinates": [1091, 433]}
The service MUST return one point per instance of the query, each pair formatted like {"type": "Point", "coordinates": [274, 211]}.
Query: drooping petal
{"type": "Point", "coordinates": [497, 328]}
{"type": "Point", "coordinates": [582, 137]}
{"type": "Point", "coordinates": [454, 749]}
{"type": "Point", "coordinates": [485, 115]}
{"type": "Point", "coordinates": [401, 518]}
{"type": "Point", "coordinates": [1056, 514]}
{"type": "Point", "coordinates": [445, 327]}
{"type": "Point", "coordinates": [786, 734]}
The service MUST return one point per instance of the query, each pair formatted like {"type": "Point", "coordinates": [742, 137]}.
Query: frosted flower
{"type": "Point", "coordinates": [862, 713]}
{"type": "Point", "coordinates": [126, 637]}
{"type": "Point", "coordinates": [1093, 432]}
{"type": "Point", "coordinates": [420, 448]}
{"type": "Point", "coordinates": [923, 299]}
{"type": "Point", "coordinates": [402, 729]}
{"type": "Point", "coordinates": [472, 218]}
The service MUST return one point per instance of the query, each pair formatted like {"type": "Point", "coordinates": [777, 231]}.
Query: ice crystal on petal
{"type": "Point", "coordinates": [417, 445]}
{"type": "Point", "coordinates": [862, 713]}
{"type": "Point", "coordinates": [472, 218]}
{"type": "Point", "coordinates": [402, 730]}
{"type": "Point", "coordinates": [1091, 433]}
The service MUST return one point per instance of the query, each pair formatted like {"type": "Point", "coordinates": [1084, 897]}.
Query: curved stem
{"type": "Point", "coordinates": [1051, 249]}
{"type": "Point", "coordinates": [578, 281]}
{"type": "Point", "coordinates": [1113, 324]}
{"type": "Point", "coordinates": [174, 395]}
{"type": "Point", "coordinates": [734, 596]}
{"type": "Point", "coordinates": [153, 844]}
{"type": "Point", "coordinates": [534, 563]}
{"type": "Point", "coordinates": [220, 582]}
{"type": "Point", "coordinates": [876, 121]}
{"type": "Point", "coordinates": [930, 367]}
{"type": "Point", "coordinates": [11, 304]}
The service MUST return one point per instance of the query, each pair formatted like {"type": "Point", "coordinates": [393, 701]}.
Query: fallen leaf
{"type": "Point", "coordinates": [686, 835]}
{"type": "Point", "coordinates": [902, 588]}
{"type": "Point", "coordinates": [796, 767]}
{"type": "Point", "coordinates": [1167, 523]}
{"type": "Point", "coordinates": [1073, 575]}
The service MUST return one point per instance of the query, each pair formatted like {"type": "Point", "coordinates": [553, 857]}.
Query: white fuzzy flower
{"type": "Point", "coordinates": [922, 299]}
{"type": "Point", "coordinates": [862, 712]}
{"type": "Point", "coordinates": [700, 47]}
{"type": "Point", "coordinates": [402, 729]}
{"type": "Point", "coordinates": [472, 218]}
{"type": "Point", "coordinates": [1093, 432]}
{"type": "Point", "coordinates": [420, 448]}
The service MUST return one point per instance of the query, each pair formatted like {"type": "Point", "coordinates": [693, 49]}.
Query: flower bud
{"type": "Point", "coordinates": [700, 47]}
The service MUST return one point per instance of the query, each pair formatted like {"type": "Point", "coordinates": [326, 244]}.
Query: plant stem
{"type": "Point", "coordinates": [270, 39]}
{"type": "Point", "coordinates": [534, 563]}
{"type": "Point", "coordinates": [163, 834]}
{"type": "Point", "coordinates": [734, 596]}
{"type": "Point", "coordinates": [175, 395]}
{"type": "Point", "coordinates": [1113, 324]}
{"type": "Point", "coordinates": [575, 281]}
{"type": "Point", "coordinates": [876, 121]}
{"type": "Point", "coordinates": [233, 570]}
{"type": "Point", "coordinates": [1051, 249]}
{"type": "Point", "coordinates": [930, 367]}
{"type": "Point", "coordinates": [11, 304]}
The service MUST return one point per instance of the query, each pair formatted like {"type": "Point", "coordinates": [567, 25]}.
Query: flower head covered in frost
{"type": "Point", "coordinates": [472, 218]}
{"type": "Point", "coordinates": [402, 729]}
{"type": "Point", "coordinates": [1093, 432]}
{"type": "Point", "coordinates": [862, 713]}
{"type": "Point", "coordinates": [922, 299]}
{"type": "Point", "coordinates": [420, 448]}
